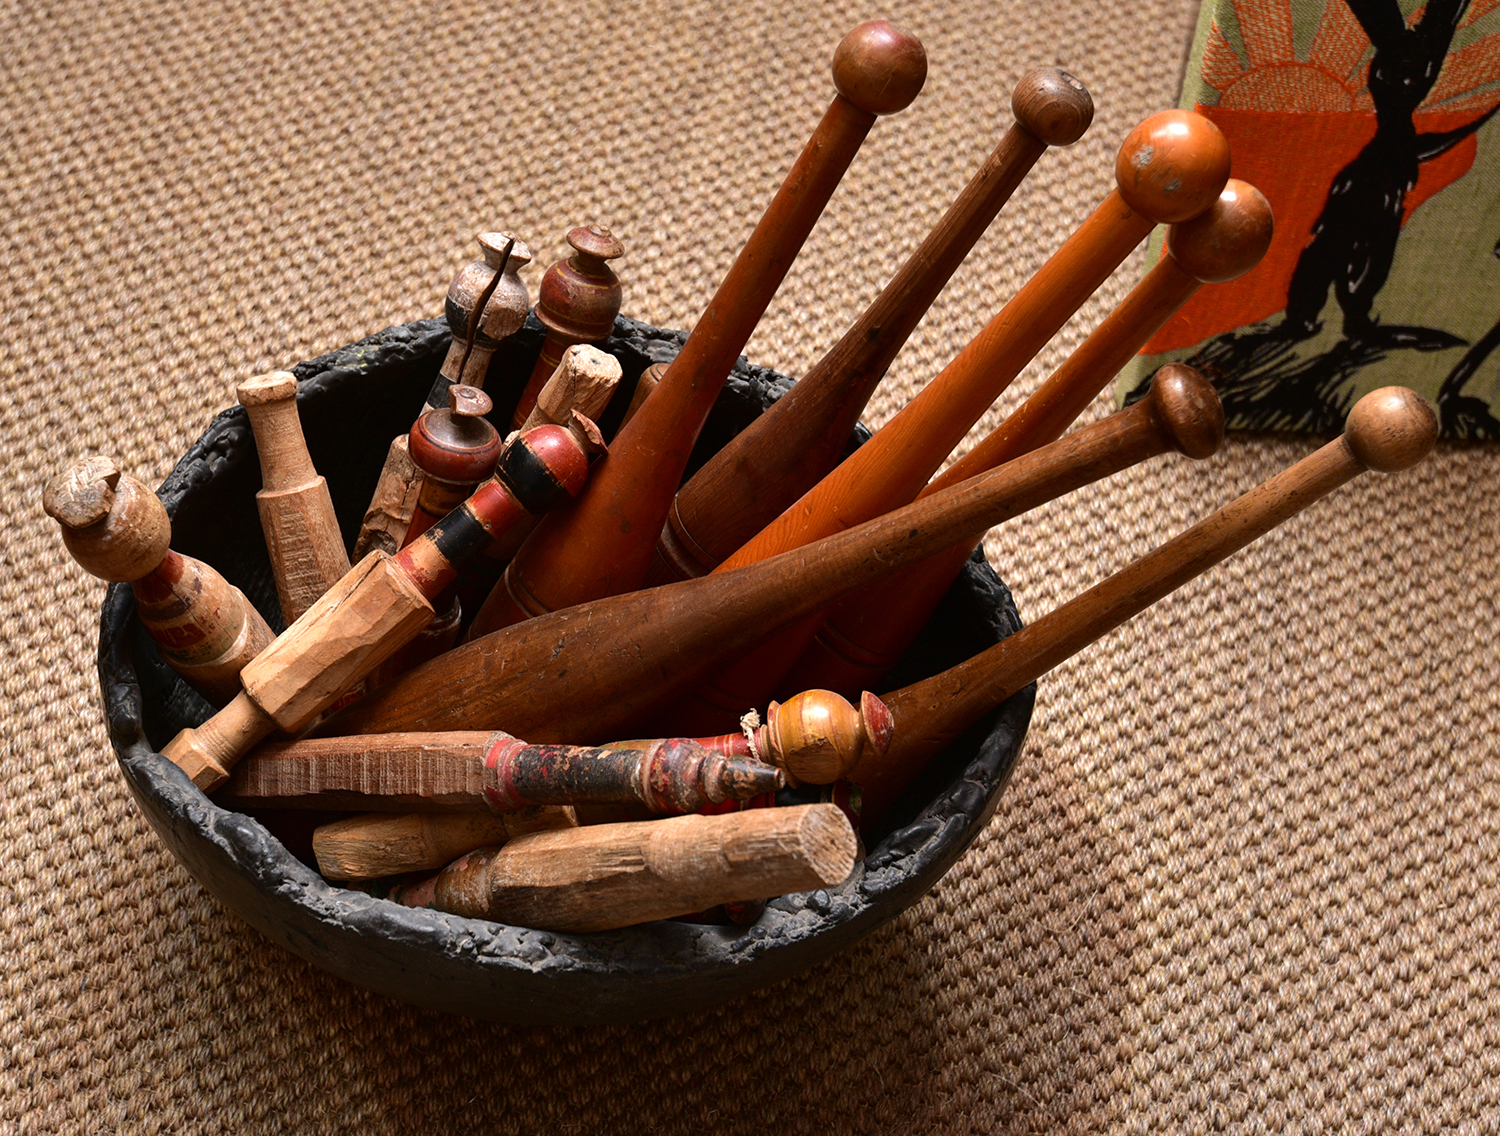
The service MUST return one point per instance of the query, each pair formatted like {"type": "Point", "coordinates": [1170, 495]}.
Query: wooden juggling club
{"type": "Point", "coordinates": [784, 452]}
{"type": "Point", "coordinates": [1388, 430]}
{"type": "Point", "coordinates": [603, 545]}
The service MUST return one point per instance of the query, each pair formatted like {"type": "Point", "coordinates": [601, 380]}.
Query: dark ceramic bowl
{"type": "Point", "coordinates": [352, 403]}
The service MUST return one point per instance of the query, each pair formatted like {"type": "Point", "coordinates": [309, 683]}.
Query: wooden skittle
{"type": "Point", "coordinates": [376, 845]}
{"type": "Point", "coordinates": [1184, 415]}
{"type": "Point", "coordinates": [587, 672]}
{"type": "Point", "coordinates": [468, 771]}
{"type": "Point", "coordinates": [302, 534]}
{"type": "Point", "coordinates": [576, 394]}
{"type": "Point", "coordinates": [604, 544]}
{"type": "Point", "coordinates": [784, 452]}
{"type": "Point", "coordinates": [616, 875]}
{"type": "Point", "coordinates": [486, 303]}
{"type": "Point", "coordinates": [368, 615]}
{"type": "Point", "coordinates": [869, 632]}
{"type": "Point", "coordinates": [1388, 430]}
{"type": "Point", "coordinates": [577, 302]}
{"type": "Point", "coordinates": [1171, 168]}
{"type": "Point", "coordinates": [454, 449]}
{"type": "Point", "coordinates": [117, 529]}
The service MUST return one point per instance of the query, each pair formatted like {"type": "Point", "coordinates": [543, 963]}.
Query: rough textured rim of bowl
{"type": "Point", "coordinates": [479, 969]}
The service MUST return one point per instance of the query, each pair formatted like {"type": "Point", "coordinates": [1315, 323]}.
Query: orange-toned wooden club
{"type": "Point", "coordinates": [868, 633]}
{"type": "Point", "coordinates": [784, 452]}
{"type": "Point", "coordinates": [587, 672]}
{"type": "Point", "coordinates": [1388, 430]}
{"type": "Point", "coordinates": [1171, 168]}
{"type": "Point", "coordinates": [604, 544]}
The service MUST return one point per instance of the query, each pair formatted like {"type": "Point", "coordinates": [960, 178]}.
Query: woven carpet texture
{"type": "Point", "coordinates": [1245, 876]}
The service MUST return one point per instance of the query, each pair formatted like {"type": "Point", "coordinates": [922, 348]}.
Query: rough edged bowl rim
{"type": "Point", "coordinates": [478, 969]}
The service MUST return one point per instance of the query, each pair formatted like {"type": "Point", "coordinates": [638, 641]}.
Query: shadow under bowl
{"type": "Point", "coordinates": [352, 402]}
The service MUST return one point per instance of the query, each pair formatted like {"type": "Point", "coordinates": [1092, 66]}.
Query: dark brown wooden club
{"type": "Point", "coordinates": [784, 452]}
{"type": "Point", "coordinates": [603, 545]}
{"type": "Point", "coordinates": [1388, 430]}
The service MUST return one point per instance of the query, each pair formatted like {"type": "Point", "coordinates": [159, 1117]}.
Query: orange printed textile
{"type": "Point", "coordinates": [1367, 124]}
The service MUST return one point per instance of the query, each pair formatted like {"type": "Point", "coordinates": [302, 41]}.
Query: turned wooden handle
{"type": "Point", "coordinates": [614, 875]}
{"type": "Point", "coordinates": [780, 455]}
{"type": "Point", "coordinates": [1171, 168]}
{"type": "Point", "coordinates": [464, 771]}
{"type": "Point", "coordinates": [117, 529]}
{"type": "Point", "coordinates": [1388, 430]}
{"type": "Point", "coordinates": [603, 545]}
{"type": "Point", "coordinates": [303, 540]}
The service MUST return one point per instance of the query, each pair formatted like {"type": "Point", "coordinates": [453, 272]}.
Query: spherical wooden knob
{"type": "Point", "coordinates": [1229, 239]}
{"type": "Point", "coordinates": [1052, 106]}
{"type": "Point", "coordinates": [1391, 429]}
{"type": "Point", "coordinates": [816, 736]}
{"type": "Point", "coordinates": [1173, 166]}
{"type": "Point", "coordinates": [1188, 409]}
{"type": "Point", "coordinates": [879, 68]}
{"type": "Point", "coordinates": [112, 524]}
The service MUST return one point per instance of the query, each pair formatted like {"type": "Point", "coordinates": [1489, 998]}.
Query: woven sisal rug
{"type": "Point", "coordinates": [1245, 877]}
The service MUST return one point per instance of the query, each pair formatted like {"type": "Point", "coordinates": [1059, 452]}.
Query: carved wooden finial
{"type": "Point", "coordinates": [112, 524]}
{"type": "Point", "coordinates": [577, 302]}
{"type": "Point", "coordinates": [816, 736]}
{"type": "Point", "coordinates": [1172, 166]}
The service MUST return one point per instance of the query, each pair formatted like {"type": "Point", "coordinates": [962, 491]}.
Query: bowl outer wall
{"type": "Point", "coordinates": [473, 967]}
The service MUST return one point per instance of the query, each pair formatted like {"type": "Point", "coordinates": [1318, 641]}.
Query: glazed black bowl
{"type": "Point", "coordinates": [352, 402]}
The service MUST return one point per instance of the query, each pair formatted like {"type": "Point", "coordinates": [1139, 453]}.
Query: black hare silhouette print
{"type": "Point", "coordinates": [1364, 122]}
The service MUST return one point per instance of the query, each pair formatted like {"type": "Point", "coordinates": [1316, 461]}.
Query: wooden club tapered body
{"type": "Point", "coordinates": [1388, 430]}
{"type": "Point", "coordinates": [870, 631]}
{"type": "Point", "coordinates": [585, 673]}
{"type": "Point", "coordinates": [1171, 168]}
{"type": "Point", "coordinates": [604, 545]}
{"type": "Point", "coordinates": [784, 452]}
